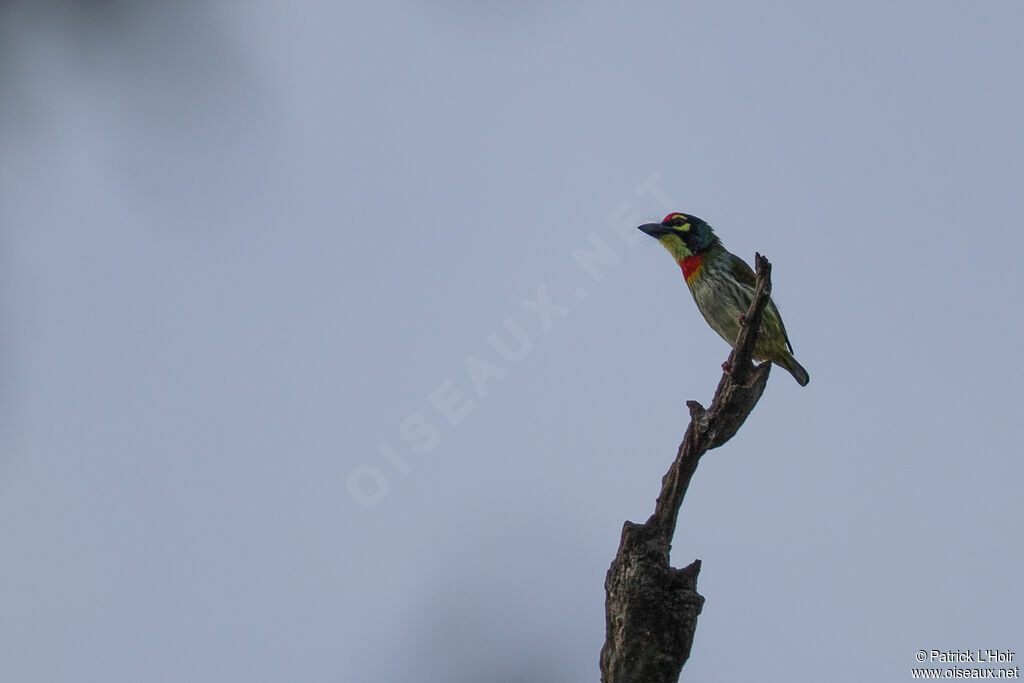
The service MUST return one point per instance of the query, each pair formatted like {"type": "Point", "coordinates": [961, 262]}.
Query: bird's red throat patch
{"type": "Point", "coordinates": [690, 265]}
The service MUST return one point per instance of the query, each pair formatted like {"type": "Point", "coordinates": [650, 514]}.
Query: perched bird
{"type": "Point", "coordinates": [722, 284]}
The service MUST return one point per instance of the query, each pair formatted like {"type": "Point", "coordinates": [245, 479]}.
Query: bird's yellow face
{"type": "Point", "coordinates": [670, 234]}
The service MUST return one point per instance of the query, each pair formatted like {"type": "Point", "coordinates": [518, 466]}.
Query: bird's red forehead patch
{"type": "Point", "coordinates": [672, 215]}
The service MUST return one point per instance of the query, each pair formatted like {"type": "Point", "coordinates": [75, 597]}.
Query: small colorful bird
{"type": "Point", "coordinates": [722, 284]}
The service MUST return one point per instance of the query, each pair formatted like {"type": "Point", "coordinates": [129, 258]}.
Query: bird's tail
{"type": "Point", "coordinates": [795, 369]}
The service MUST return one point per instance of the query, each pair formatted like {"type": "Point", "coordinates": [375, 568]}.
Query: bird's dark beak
{"type": "Point", "coordinates": [655, 230]}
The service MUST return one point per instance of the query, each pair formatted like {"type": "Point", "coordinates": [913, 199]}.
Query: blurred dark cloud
{"type": "Point", "coordinates": [152, 85]}
{"type": "Point", "coordinates": [80, 21]}
{"type": "Point", "coordinates": [134, 94]}
{"type": "Point", "coordinates": [108, 41]}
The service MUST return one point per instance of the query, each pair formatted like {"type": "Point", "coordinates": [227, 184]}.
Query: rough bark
{"type": "Point", "coordinates": [651, 608]}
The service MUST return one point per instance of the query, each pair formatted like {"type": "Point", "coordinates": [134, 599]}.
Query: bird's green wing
{"type": "Point", "coordinates": [739, 269]}
{"type": "Point", "coordinates": [782, 326]}
{"type": "Point", "coordinates": [741, 272]}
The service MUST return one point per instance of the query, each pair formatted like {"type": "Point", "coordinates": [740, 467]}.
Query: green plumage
{"type": "Point", "coordinates": [722, 285]}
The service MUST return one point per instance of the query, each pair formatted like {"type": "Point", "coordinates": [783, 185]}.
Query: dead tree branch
{"type": "Point", "coordinates": [651, 608]}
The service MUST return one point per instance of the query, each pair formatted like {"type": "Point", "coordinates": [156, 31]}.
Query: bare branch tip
{"type": "Point", "coordinates": [696, 409]}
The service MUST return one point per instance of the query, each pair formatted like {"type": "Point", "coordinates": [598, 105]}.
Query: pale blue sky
{"type": "Point", "coordinates": [243, 244]}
